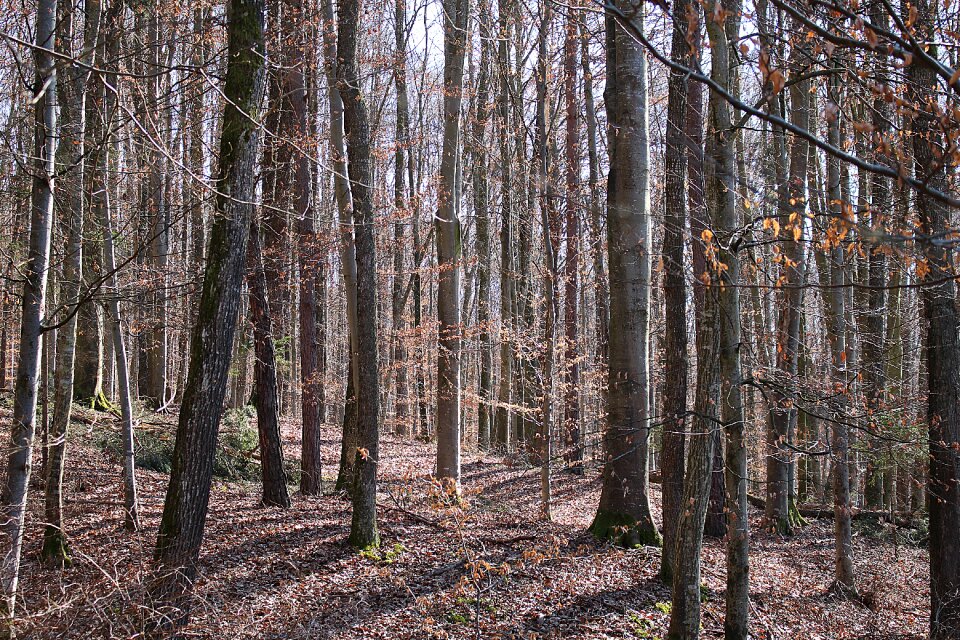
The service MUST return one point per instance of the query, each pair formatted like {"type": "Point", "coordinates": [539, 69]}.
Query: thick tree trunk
{"type": "Point", "coordinates": [185, 507]}
{"type": "Point", "coordinates": [363, 526]}
{"type": "Point", "coordinates": [675, 293]}
{"type": "Point", "coordinates": [624, 510]}
{"type": "Point", "coordinates": [938, 294]}
{"type": "Point", "coordinates": [33, 307]}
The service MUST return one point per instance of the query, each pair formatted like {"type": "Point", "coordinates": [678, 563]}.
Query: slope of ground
{"type": "Point", "coordinates": [487, 570]}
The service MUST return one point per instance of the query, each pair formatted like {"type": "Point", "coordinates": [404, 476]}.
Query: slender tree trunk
{"type": "Point", "coordinates": [545, 181]}
{"type": "Point", "coordinates": [595, 218]}
{"type": "Point", "coordinates": [70, 154]}
{"type": "Point", "coordinates": [782, 419]}
{"type": "Point", "coordinates": [348, 260]}
{"type": "Point", "coordinates": [571, 357]}
{"type": "Point", "coordinates": [273, 478]}
{"type": "Point", "coordinates": [456, 16]}
{"type": "Point", "coordinates": [188, 494]}
{"type": "Point", "coordinates": [718, 363]}
{"type": "Point", "coordinates": [130, 501]}
{"type": "Point", "coordinates": [841, 211]}
{"type": "Point", "coordinates": [502, 417]}
{"type": "Point", "coordinates": [312, 261]}
{"type": "Point", "coordinates": [481, 205]}
{"type": "Point", "coordinates": [33, 306]}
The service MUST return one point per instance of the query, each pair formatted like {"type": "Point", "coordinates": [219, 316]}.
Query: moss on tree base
{"type": "Point", "coordinates": [796, 518]}
{"type": "Point", "coordinates": [624, 530]}
{"type": "Point", "coordinates": [100, 402]}
{"type": "Point", "coordinates": [56, 549]}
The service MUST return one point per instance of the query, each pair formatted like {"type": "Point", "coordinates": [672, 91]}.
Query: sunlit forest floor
{"type": "Point", "coordinates": [268, 573]}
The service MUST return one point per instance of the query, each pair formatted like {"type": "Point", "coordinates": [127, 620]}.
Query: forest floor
{"type": "Point", "coordinates": [268, 573]}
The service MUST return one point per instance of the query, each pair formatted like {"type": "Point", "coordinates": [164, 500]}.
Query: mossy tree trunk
{"type": "Point", "coordinates": [188, 493]}
{"type": "Point", "coordinates": [624, 510]}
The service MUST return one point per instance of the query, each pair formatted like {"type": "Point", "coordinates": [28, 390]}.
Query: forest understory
{"type": "Point", "coordinates": [272, 573]}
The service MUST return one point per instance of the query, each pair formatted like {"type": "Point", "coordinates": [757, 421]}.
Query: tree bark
{"type": "Point", "coordinates": [33, 304]}
{"type": "Point", "coordinates": [188, 494]}
{"type": "Point", "coordinates": [675, 293]}
{"type": "Point", "coordinates": [938, 293]}
{"type": "Point", "coordinates": [71, 153]}
{"type": "Point", "coordinates": [456, 14]}
{"type": "Point", "coordinates": [273, 478]}
{"type": "Point", "coordinates": [782, 419]}
{"type": "Point", "coordinates": [363, 525]}
{"type": "Point", "coordinates": [624, 499]}
{"type": "Point", "coordinates": [348, 260]}
{"type": "Point", "coordinates": [571, 357]}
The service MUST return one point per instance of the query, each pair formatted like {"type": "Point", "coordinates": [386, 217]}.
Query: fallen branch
{"type": "Point", "coordinates": [905, 520]}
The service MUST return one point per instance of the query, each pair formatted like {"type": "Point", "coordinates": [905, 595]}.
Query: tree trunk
{"type": "Point", "coordinates": [545, 181]}
{"type": "Point", "coordinates": [456, 15]}
{"type": "Point", "coordinates": [502, 417]}
{"type": "Point", "coordinates": [33, 307]}
{"type": "Point", "coordinates": [363, 526]}
{"type": "Point", "coordinates": [942, 350]}
{"type": "Point", "coordinates": [571, 357]}
{"type": "Point", "coordinates": [185, 507]}
{"type": "Point", "coordinates": [348, 260]}
{"type": "Point", "coordinates": [782, 419]}
{"type": "Point", "coordinates": [675, 293]}
{"type": "Point", "coordinates": [624, 500]}
{"type": "Point", "coordinates": [481, 205]}
{"type": "Point", "coordinates": [70, 154]}
{"type": "Point", "coordinates": [273, 478]}
{"type": "Point", "coordinates": [841, 211]}
{"type": "Point", "coordinates": [293, 168]}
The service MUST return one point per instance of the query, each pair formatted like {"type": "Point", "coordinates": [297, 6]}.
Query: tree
{"type": "Point", "coordinates": [624, 509]}
{"type": "Point", "coordinates": [33, 305]}
{"type": "Point", "coordinates": [571, 357]}
{"type": "Point", "coordinates": [942, 347]}
{"type": "Point", "coordinates": [782, 422]}
{"type": "Point", "coordinates": [675, 292]}
{"type": "Point", "coordinates": [456, 14]}
{"type": "Point", "coordinates": [71, 152]}
{"type": "Point", "coordinates": [188, 493]}
{"type": "Point", "coordinates": [273, 478]}
{"type": "Point", "coordinates": [363, 526]}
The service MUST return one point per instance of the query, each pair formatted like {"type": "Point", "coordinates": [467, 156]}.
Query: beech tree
{"type": "Point", "coordinates": [624, 501]}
